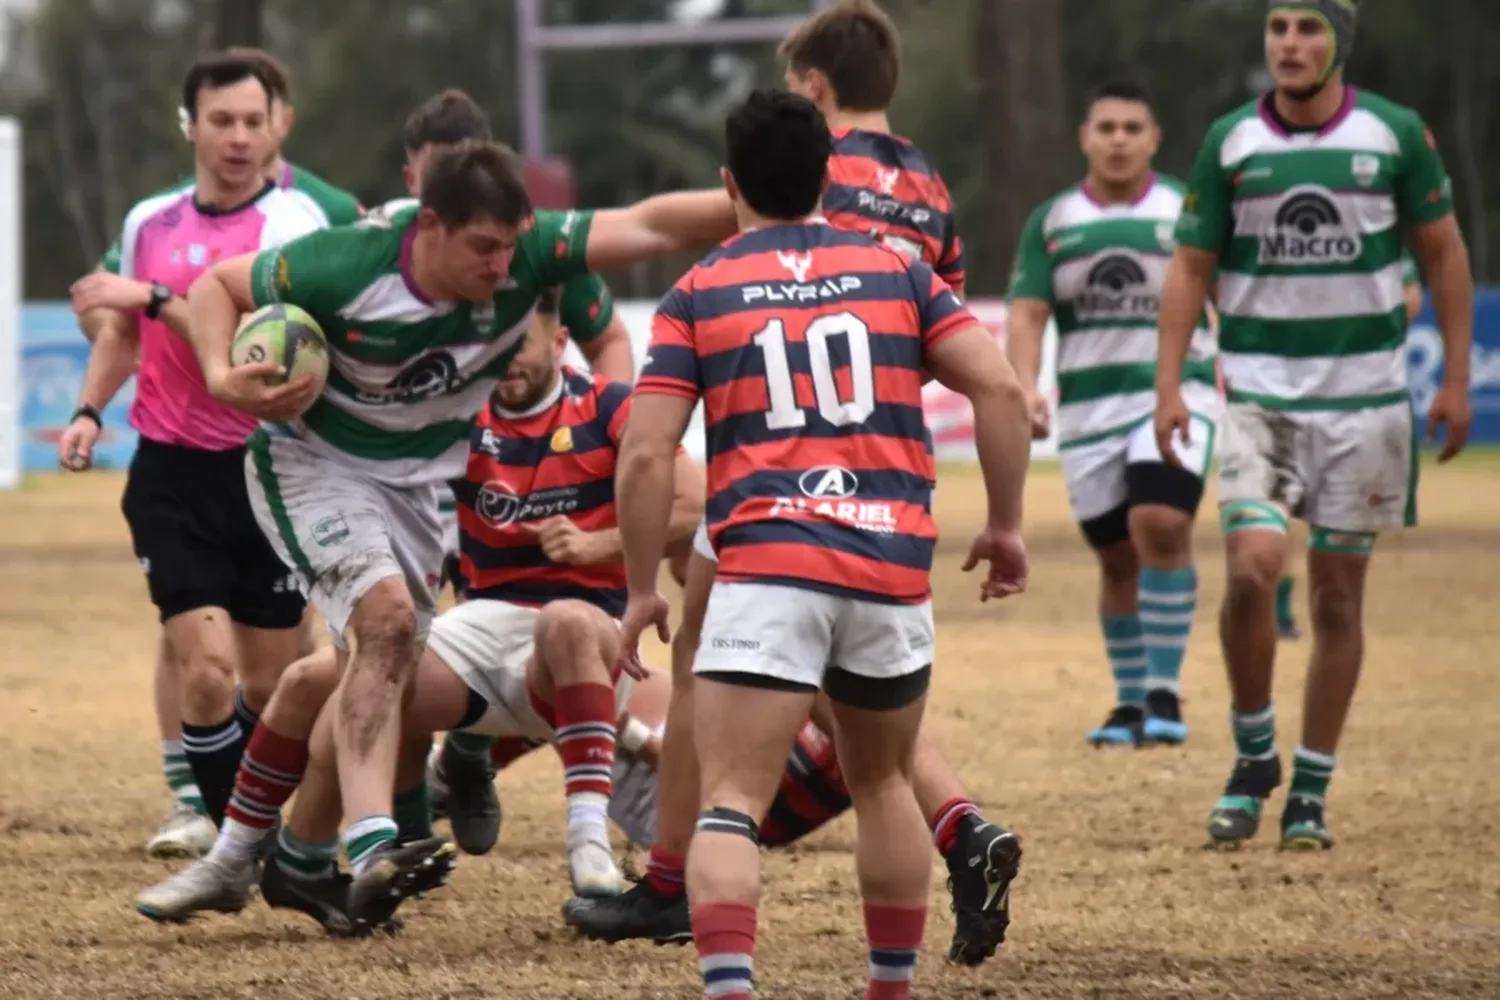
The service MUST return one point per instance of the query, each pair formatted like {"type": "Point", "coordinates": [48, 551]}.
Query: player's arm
{"type": "Point", "coordinates": [111, 362]}
{"type": "Point", "coordinates": [92, 321]}
{"type": "Point", "coordinates": [218, 299]}
{"type": "Point", "coordinates": [114, 286]}
{"type": "Point", "coordinates": [659, 226]}
{"type": "Point", "coordinates": [1425, 201]}
{"type": "Point", "coordinates": [961, 354]}
{"type": "Point", "coordinates": [587, 310]}
{"type": "Point", "coordinates": [1028, 307]}
{"type": "Point", "coordinates": [664, 398]}
{"type": "Point", "coordinates": [1203, 228]}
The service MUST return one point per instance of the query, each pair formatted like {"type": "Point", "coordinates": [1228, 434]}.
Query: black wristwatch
{"type": "Point", "coordinates": [88, 411]}
{"type": "Point", "coordinates": [160, 296]}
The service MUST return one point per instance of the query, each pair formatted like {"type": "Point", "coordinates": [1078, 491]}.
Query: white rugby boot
{"type": "Point", "coordinates": [591, 864]}
{"type": "Point", "coordinates": [206, 884]}
{"type": "Point", "coordinates": [186, 833]}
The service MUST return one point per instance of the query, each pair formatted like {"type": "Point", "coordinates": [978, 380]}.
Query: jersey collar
{"type": "Point", "coordinates": [546, 403]}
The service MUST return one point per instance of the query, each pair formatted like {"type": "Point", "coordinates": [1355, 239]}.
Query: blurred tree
{"type": "Point", "coordinates": [238, 23]}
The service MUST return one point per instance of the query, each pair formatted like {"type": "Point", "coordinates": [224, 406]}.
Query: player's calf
{"type": "Point", "coordinates": [1118, 618]}
{"type": "Point", "coordinates": [878, 720]}
{"type": "Point", "coordinates": [212, 737]}
{"type": "Point", "coordinates": [1162, 535]}
{"type": "Point", "coordinates": [577, 646]}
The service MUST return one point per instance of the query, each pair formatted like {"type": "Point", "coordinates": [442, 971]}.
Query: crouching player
{"type": "Point", "coordinates": [529, 655]}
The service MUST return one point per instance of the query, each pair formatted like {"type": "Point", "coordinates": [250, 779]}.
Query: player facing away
{"type": "Point", "coordinates": [808, 345]}
{"type": "Point", "coordinates": [846, 60]}
{"type": "Point", "coordinates": [1302, 201]}
{"type": "Point", "coordinates": [423, 310]}
{"type": "Point", "coordinates": [104, 298]}
{"type": "Point", "coordinates": [1093, 257]}
{"type": "Point", "coordinates": [228, 605]}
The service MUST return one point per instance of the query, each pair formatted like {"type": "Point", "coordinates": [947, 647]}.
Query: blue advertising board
{"type": "Point", "coordinates": [1424, 364]}
{"type": "Point", "coordinates": [54, 356]}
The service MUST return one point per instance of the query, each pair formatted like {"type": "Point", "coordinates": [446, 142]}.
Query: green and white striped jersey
{"type": "Point", "coordinates": [1101, 267]}
{"type": "Point", "coordinates": [408, 375]}
{"type": "Point", "coordinates": [1309, 228]}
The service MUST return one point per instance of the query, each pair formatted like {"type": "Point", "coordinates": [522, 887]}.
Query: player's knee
{"type": "Point", "coordinates": [207, 677]}
{"type": "Point", "coordinates": [385, 630]}
{"type": "Point", "coordinates": [1119, 565]}
{"type": "Point", "coordinates": [1335, 610]}
{"type": "Point", "coordinates": [1159, 530]}
{"type": "Point", "coordinates": [309, 681]}
{"type": "Point", "coordinates": [567, 627]}
{"type": "Point", "coordinates": [1255, 564]}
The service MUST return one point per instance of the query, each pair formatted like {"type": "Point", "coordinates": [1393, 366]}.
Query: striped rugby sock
{"type": "Point", "coordinates": [585, 737]}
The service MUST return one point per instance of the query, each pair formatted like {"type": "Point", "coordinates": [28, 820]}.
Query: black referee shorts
{"type": "Point", "coordinates": [198, 541]}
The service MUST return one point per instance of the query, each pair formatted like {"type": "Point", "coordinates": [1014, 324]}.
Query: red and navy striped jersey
{"type": "Point", "coordinates": [812, 790]}
{"type": "Point", "coordinates": [881, 185]}
{"type": "Point", "coordinates": [559, 458]}
{"type": "Point", "coordinates": [806, 344]}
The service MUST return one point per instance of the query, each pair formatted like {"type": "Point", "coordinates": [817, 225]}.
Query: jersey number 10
{"type": "Point", "coordinates": [784, 413]}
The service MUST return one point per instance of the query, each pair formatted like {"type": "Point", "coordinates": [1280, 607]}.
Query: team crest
{"type": "Point", "coordinates": [483, 317]}
{"type": "Point", "coordinates": [562, 440]}
{"type": "Point", "coordinates": [1365, 167]}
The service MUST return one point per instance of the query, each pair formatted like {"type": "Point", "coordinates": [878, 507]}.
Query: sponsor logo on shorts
{"type": "Point", "coordinates": [286, 585]}
{"type": "Point", "coordinates": [330, 531]}
{"type": "Point", "coordinates": [1380, 500]}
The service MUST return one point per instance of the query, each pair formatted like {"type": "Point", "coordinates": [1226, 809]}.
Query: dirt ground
{"type": "Point", "coordinates": [1116, 898]}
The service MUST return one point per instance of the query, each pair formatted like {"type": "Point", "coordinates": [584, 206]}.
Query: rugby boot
{"type": "Point", "coordinates": [205, 885]}
{"type": "Point", "coordinates": [1124, 727]}
{"type": "Point", "coordinates": [324, 898]}
{"type": "Point", "coordinates": [1236, 816]}
{"type": "Point", "coordinates": [394, 875]}
{"type": "Point", "coordinates": [641, 913]}
{"type": "Point", "coordinates": [473, 805]}
{"type": "Point", "coordinates": [591, 865]}
{"type": "Point", "coordinates": [186, 833]}
{"type": "Point", "coordinates": [1163, 718]}
{"type": "Point", "coordinates": [984, 861]}
{"type": "Point", "coordinates": [1302, 825]}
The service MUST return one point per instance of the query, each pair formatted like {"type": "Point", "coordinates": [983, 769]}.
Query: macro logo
{"type": "Point", "coordinates": [1117, 287]}
{"type": "Point", "coordinates": [1309, 230]}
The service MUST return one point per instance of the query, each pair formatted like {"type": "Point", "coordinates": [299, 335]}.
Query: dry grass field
{"type": "Point", "coordinates": [1116, 898]}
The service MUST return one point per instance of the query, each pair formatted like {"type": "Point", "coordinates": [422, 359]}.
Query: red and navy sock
{"type": "Point", "coordinates": [725, 936]}
{"type": "Point", "coordinates": [895, 935]}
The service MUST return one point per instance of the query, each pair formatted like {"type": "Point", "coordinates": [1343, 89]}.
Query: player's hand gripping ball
{"type": "Point", "coordinates": [286, 336]}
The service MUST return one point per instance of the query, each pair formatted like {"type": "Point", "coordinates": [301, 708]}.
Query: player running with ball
{"type": "Point", "coordinates": [1302, 201]}
{"type": "Point", "coordinates": [423, 311]}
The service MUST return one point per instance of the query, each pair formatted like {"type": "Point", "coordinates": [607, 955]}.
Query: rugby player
{"type": "Point", "coordinates": [542, 553]}
{"type": "Point", "coordinates": [228, 605]}
{"type": "Point", "coordinates": [839, 574]}
{"type": "Point", "coordinates": [847, 61]}
{"type": "Point", "coordinates": [1286, 617]}
{"type": "Point", "coordinates": [1093, 257]}
{"type": "Point", "coordinates": [1302, 201]}
{"type": "Point", "coordinates": [99, 299]}
{"type": "Point", "coordinates": [424, 310]}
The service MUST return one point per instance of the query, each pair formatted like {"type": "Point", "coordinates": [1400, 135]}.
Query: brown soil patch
{"type": "Point", "coordinates": [1116, 898]}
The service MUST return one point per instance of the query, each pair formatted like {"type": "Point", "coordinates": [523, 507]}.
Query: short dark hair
{"type": "Point", "coordinates": [443, 119]}
{"type": "Point", "coordinates": [1119, 90]}
{"type": "Point", "coordinates": [278, 77]}
{"type": "Point", "coordinates": [220, 69]}
{"type": "Point", "coordinates": [473, 179]}
{"type": "Point", "coordinates": [857, 46]}
{"type": "Point", "coordinates": [777, 147]}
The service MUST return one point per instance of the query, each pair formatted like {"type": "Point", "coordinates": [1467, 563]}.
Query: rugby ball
{"type": "Point", "coordinates": [286, 335]}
